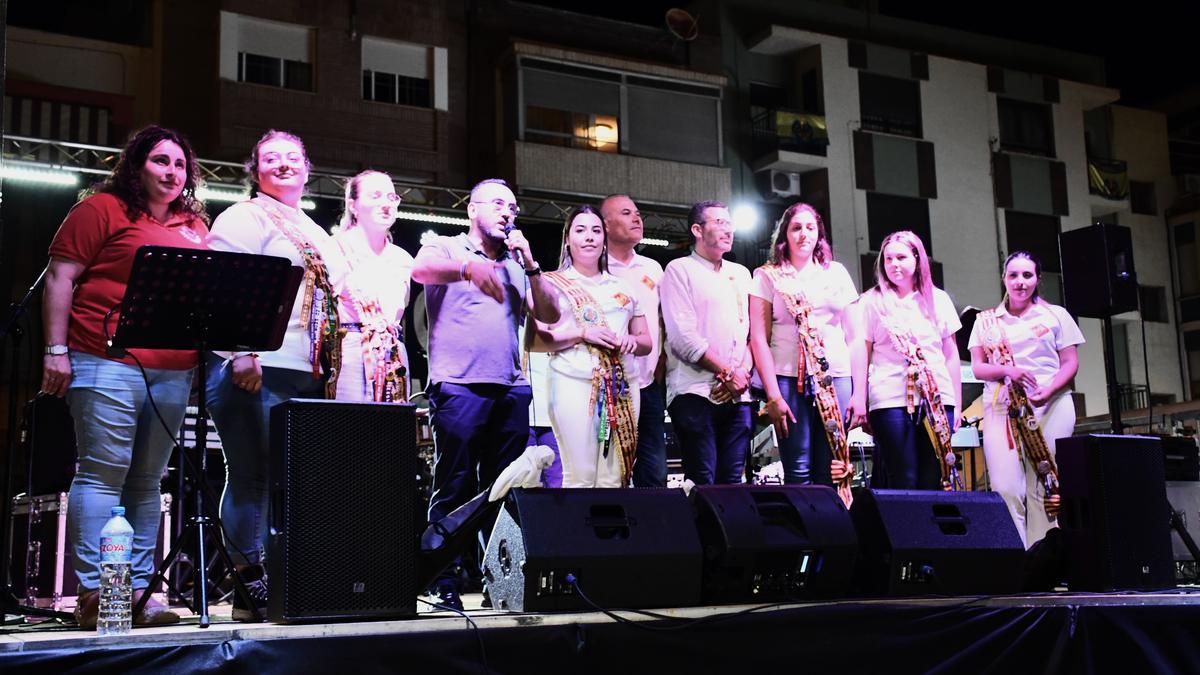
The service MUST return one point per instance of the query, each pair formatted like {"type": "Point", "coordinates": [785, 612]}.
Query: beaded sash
{"type": "Point", "coordinates": [1023, 424]}
{"type": "Point", "coordinates": [922, 395]}
{"type": "Point", "coordinates": [812, 372]}
{"type": "Point", "coordinates": [320, 301]}
{"type": "Point", "coordinates": [382, 342]}
{"type": "Point", "coordinates": [611, 401]}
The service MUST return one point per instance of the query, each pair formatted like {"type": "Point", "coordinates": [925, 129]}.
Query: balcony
{"type": "Point", "coordinates": [1108, 186]}
{"type": "Point", "coordinates": [788, 140]}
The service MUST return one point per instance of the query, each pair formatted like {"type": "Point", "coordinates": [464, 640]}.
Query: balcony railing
{"type": "Point", "coordinates": [790, 130]}
{"type": "Point", "coordinates": [1108, 178]}
{"type": "Point", "coordinates": [1133, 396]}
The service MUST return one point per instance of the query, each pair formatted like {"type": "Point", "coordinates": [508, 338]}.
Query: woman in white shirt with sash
{"type": "Point", "coordinates": [593, 407]}
{"type": "Point", "coordinates": [904, 328]}
{"type": "Point", "coordinates": [1025, 351]}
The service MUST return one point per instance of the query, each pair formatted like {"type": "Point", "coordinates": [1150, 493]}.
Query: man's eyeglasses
{"type": "Point", "coordinates": [501, 205]}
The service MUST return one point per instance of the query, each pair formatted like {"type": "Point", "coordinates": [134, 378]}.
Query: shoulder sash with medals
{"type": "Point", "coordinates": [812, 371]}
{"type": "Point", "coordinates": [382, 341]}
{"type": "Point", "coordinates": [611, 400]}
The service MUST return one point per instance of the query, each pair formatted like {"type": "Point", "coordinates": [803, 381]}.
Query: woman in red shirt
{"type": "Point", "coordinates": [149, 199]}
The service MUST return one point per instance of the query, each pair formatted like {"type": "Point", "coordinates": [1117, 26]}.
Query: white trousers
{"type": "Point", "coordinates": [1013, 475]}
{"type": "Point", "coordinates": [575, 428]}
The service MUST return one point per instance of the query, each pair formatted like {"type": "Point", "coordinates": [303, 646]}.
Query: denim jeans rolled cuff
{"type": "Point", "coordinates": [123, 450]}
{"type": "Point", "coordinates": [714, 439]}
{"type": "Point", "coordinates": [805, 453]}
{"type": "Point", "coordinates": [905, 454]}
{"type": "Point", "coordinates": [650, 463]}
{"type": "Point", "coordinates": [243, 421]}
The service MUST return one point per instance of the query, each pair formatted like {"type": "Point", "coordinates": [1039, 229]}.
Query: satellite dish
{"type": "Point", "coordinates": [682, 25]}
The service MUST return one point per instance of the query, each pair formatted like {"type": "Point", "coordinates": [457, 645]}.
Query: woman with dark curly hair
{"type": "Point", "coordinates": [245, 386]}
{"type": "Point", "coordinates": [149, 199]}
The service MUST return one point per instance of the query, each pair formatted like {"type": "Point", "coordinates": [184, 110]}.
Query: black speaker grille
{"type": "Point", "coordinates": [344, 538]}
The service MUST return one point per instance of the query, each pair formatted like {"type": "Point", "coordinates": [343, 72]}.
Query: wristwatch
{"type": "Point", "coordinates": [56, 350]}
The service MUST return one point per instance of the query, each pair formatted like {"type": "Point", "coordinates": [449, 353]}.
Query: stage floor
{"type": "Point", "coordinates": [1058, 632]}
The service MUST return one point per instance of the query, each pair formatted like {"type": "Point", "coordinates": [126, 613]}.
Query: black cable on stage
{"type": "Point", "coordinates": [474, 629]}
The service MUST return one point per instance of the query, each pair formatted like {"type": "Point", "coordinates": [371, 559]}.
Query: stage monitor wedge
{"type": "Point", "coordinates": [343, 539]}
{"type": "Point", "coordinates": [920, 542]}
{"type": "Point", "coordinates": [626, 548]}
{"type": "Point", "coordinates": [766, 543]}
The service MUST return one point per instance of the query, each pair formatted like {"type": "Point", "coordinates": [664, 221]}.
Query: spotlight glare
{"type": "Point", "coordinates": [652, 241]}
{"type": "Point", "coordinates": [745, 218]}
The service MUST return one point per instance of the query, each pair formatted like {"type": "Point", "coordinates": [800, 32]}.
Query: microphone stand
{"type": "Point", "coordinates": [13, 333]}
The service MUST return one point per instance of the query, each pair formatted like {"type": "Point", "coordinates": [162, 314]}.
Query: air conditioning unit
{"type": "Point", "coordinates": [773, 183]}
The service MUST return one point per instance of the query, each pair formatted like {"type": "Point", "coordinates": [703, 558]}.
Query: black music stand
{"type": "Point", "coordinates": [180, 298]}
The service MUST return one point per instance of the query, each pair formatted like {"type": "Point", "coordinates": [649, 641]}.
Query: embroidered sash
{"type": "Point", "coordinates": [1024, 431]}
{"type": "Point", "coordinates": [611, 401]}
{"type": "Point", "coordinates": [319, 307]}
{"type": "Point", "coordinates": [382, 341]}
{"type": "Point", "coordinates": [923, 396]}
{"type": "Point", "coordinates": [812, 372]}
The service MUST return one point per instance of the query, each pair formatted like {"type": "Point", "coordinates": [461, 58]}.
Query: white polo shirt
{"type": "Point", "coordinates": [617, 303]}
{"type": "Point", "coordinates": [829, 290]}
{"type": "Point", "coordinates": [1035, 339]}
{"type": "Point", "coordinates": [887, 381]}
{"type": "Point", "coordinates": [644, 275]}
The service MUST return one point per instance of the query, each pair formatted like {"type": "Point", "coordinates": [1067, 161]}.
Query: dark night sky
{"type": "Point", "coordinates": [1147, 45]}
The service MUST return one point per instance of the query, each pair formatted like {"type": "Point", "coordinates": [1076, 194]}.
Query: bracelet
{"type": "Point", "coordinates": [462, 271]}
{"type": "Point", "coordinates": [534, 272]}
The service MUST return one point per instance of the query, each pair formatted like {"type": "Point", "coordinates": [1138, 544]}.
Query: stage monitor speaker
{"type": "Point", "coordinates": [626, 548]}
{"type": "Point", "coordinates": [1115, 519]}
{"type": "Point", "coordinates": [1097, 271]}
{"type": "Point", "coordinates": [343, 539]}
{"type": "Point", "coordinates": [764, 543]}
{"type": "Point", "coordinates": [918, 542]}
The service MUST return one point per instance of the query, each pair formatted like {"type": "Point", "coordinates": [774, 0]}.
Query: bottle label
{"type": "Point", "coordinates": [116, 549]}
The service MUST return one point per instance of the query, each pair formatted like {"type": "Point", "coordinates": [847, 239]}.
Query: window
{"type": "Point", "coordinates": [1187, 260]}
{"type": "Point", "coordinates": [1038, 234]}
{"type": "Point", "coordinates": [1191, 343]}
{"type": "Point", "coordinates": [890, 104]}
{"type": "Point", "coordinates": [274, 72]}
{"type": "Point", "coordinates": [1141, 198]}
{"type": "Point", "coordinates": [270, 53]}
{"type": "Point", "coordinates": [1152, 302]}
{"type": "Point", "coordinates": [609, 111]}
{"type": "Point", "coordinates": [888, 213]}
{"type": "Point", "coordinates": [403, 73]}
{"type": "Point", "coordinates": [1026, 127]}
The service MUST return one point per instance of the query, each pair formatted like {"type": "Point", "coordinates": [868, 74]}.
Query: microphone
{"type": "Point", "coordinates": [516, 253]}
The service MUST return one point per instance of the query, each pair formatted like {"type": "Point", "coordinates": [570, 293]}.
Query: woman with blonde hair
{"type": "Point", "coordinates": [371, 304]}
{"type": "Point", "coordinates": [903, 329]}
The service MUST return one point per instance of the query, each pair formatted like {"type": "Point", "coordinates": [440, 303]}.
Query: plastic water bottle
{"type": "Point", "coordinates": [116, 587]}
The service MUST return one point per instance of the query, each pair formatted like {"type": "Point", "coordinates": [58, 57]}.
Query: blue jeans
{"type": "Point", "coordinates": [243, 421]}
{"type": "Point", "coordinates": [904, 454]}
{"type": "Point", "coordinates": [551, 475]}
{"type": "Point", "coordinates": [123, 450]}
{"type": "Point", "coordinates": [650, 463]}
{"type": "Point", "coordinates": [713, 438]}
{"type": "Point", "coordinates": [805, 452]}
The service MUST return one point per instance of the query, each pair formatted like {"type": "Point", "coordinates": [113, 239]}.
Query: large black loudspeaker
{"type": "Point", "coordinates": [916, 542]}
{"type": "Point", "coordinates": [343, 541]}
{"type": "Point", "coordinates": [1097, 267]}
{"type": "Point", "coordinates": [1115, 519]}
{"type": "Point", "coordinates": [765, 543]}
{"type": "Point", "coordinates": [625, 548]}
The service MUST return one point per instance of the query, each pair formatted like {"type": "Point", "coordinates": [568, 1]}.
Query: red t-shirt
{"type": "Point", "coordinates": [99, 235]}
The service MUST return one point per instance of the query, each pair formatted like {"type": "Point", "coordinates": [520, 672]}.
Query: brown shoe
{"type": "Point", "coordinates": [154, 613]}
{"type": "Point", "coordinates": [87, 609]}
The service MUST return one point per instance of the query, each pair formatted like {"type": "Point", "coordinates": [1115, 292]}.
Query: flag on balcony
{"type": "Point", "coordinates": [1108, 178]}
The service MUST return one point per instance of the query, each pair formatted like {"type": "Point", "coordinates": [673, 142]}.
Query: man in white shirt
{"type": "Point", "coordinates": [704, 305]}
{"type": "Point", "coordinates": [623, 225]}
